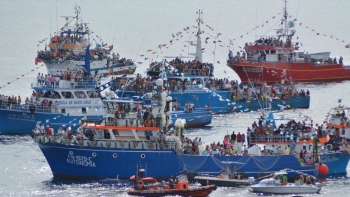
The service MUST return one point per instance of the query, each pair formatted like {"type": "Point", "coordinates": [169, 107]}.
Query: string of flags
{"type": "Point", "coordinates": [318, 33]}
{"type": "Point", "coordinates": [18, 78]}
{"type": "Point", "coordinates": [151, 54]}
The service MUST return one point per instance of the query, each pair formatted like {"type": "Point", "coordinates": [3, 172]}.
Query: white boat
{"type": "Point", "coordinates": [66, 49]}
{"type": "Point", "coordinates": [274, 186]}
{"type": "Point", "coordinates": [227, 178]}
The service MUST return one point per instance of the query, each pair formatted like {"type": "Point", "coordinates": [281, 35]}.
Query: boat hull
{"type": "Point", "coordinates": [197, 118]}
{"type": "Point", "coordinates": [286, 189]}
{"type": "Point", "coordinates": [228, 105]}
{"type": "Point", "coordinates": [17, 122]}
{"type": "Point", "coordinates": [195, 191]}
{"type": "Point", "coordinates": [221, 182]}
{"type": "Point", "coordinates": [89, 162]}
{"type": "Point", "coordinates": [271, 72]}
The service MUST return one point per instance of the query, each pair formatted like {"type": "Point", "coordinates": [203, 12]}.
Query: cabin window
{"type": "Point", "coordinates": [80, 94]}
{"type": "Point", "coordinates": [83, 110]}
{"type": "Point", "coordinates": [106, 134]}
{"type": "Point", "coordinates": [56, 95]}
{"type": "Point", "coordinates": [67, 95]}
{"type": "Point", "coordinates": [46, 94]}
{"type": "Point", "coordinates": [115, 132]}
{"type": "Point", "coordinates": [91, 94]}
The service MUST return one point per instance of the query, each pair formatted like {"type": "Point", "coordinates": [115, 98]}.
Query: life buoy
{"type": "Point", "coordinates": [140, 184]}
{"type": "Point", "coordinates": [147, 123]}
{"type": "Point", "coordinates": [284, 58]}
{"type": "Point", "coordinates": [117, 114]}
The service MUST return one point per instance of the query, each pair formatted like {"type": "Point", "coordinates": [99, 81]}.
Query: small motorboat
{"type": "Point", "coordinates": [274, 186]}
{"type": "Point", "coordinates": [150, 187]}
{"type": "Point", "coordinates": [227, 178]}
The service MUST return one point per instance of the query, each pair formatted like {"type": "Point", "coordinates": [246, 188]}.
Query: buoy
{"type": "Point", "coordinates": [323, 169]}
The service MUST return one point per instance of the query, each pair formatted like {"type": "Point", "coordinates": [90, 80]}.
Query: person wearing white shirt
{"type": "Point", "coordinates": [42, 128]}
{"type": "Point", "coordinates": [36, 131]}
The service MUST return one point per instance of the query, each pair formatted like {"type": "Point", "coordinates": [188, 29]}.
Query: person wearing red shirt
{"type": "Point", "coordinates": [239, 137]}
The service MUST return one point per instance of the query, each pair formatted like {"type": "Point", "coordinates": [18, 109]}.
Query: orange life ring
{"type": "Point", "coordinates": [140, 184]}
{"type": "Point", "coordinates": [342, 122]}
{"type": "Point", "coordinates": [147, 123]}
{"type": "Point", "coordinates": [117, 114]}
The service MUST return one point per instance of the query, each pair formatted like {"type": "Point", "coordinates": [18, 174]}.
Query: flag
{"type": "Point", "coordinates": [346, 46]}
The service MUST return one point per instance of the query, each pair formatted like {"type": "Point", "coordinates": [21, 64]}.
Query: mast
{"type": "Point", "coordinates": [198, 44]}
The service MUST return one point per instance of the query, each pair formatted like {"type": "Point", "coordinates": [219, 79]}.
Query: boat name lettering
{"type": "Point", "coordinates": [151, 191]}
{"type": "Point", "coordinates": [329, 159]}
{"type": "Point", "coordinates": [22, 117]}
{"type": "Point", "coordinates": [60, 46]}
{"type": "Point", "coordinates": [193, 88]}
{"type": "Point", "coordinates": [74, 102]}
{"type": "Point", "coordinates": [252, 70]}
{"type": "Point", "coordinates": [80, 160]}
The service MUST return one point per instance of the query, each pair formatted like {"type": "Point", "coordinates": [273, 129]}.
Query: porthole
{"type": "Point", "coordinates": [115, 155]}
{"type": "Point", "coordinates": [209, 96]}
{"type": "Point", "coordinates": [143, 156]}
{"type": "Point", "coordinates": [71, 152]}
{"type": "Point", "coordinates": [288, 65]}
{"type": "Point", "coordinates": [301, 65]}
{"type": "Point", "coordinates": [94, 154]}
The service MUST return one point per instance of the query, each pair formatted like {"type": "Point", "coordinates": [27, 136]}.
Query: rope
{"type": "Point", "coordinates": [194, 168]}
{"type": "Point", "coordinates": [261, 166]}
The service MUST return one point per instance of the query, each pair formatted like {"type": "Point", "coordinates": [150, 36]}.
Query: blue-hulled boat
{"type": "Point", "coordinates": [192, 81]}
{"type": "Point", "coordinates": [117, 147]}
{"type": "Point", "coordinates": [62, 104]}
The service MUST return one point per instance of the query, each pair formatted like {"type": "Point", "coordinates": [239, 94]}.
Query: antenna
{"type": "Point", "coordinates": [77, 11]}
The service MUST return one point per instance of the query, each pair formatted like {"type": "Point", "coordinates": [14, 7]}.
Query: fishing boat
{"type": "Point", "coordinates": [122, 143]}
{"type": "Point", "coordinates": [194, 83]}
{"type": "Point", "coordinates": [275, 186]}
{"type": "Point", "coordinates": [62, 103]}
{"type": "Point", "coordinates": [67, 49]}
{"type": "Point", "coordinates": [276, 58]}
{"type": "Point", "coordinates": [338, 120]}
{"type": "Point", "coordinates": [148, 186]}
{"type": "Point", "coordinates": [227, 178]}
{"type": "Point", "coordinates": [188, 117]}
{"type": "Point", "coordinates": [281, 131]}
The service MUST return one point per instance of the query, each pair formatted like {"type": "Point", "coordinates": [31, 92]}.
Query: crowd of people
{"type": "Point", "coordinates": [188, 68]}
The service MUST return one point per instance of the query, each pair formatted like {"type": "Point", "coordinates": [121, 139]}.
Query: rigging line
{"type": "Point", "coordinates": [50, 21]}
{"type": "Point", "coordinates": [271, 27]}
{"type": "Point", "coordinates": [217, 19]}
{"type": "Point", "coordinates": [256, 17]}
{"type": "Point", "coordinates": [296, 16]}
{"type": "Point", "coordinates": [110, 24]}
{"type": "Point", "coordinates": [56, 19]}
{"type": "Point", "coordinates": [132, 50]}
{"type": "Point", "coordinates": [139, 49]}
{"type": "Point", "coordinates": [250, 82]}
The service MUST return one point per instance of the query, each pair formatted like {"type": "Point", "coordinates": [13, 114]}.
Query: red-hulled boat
{"type": "Point", "coordinates": [150, 187]}
{"type": "Point", "coordinates": [277, 58]}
